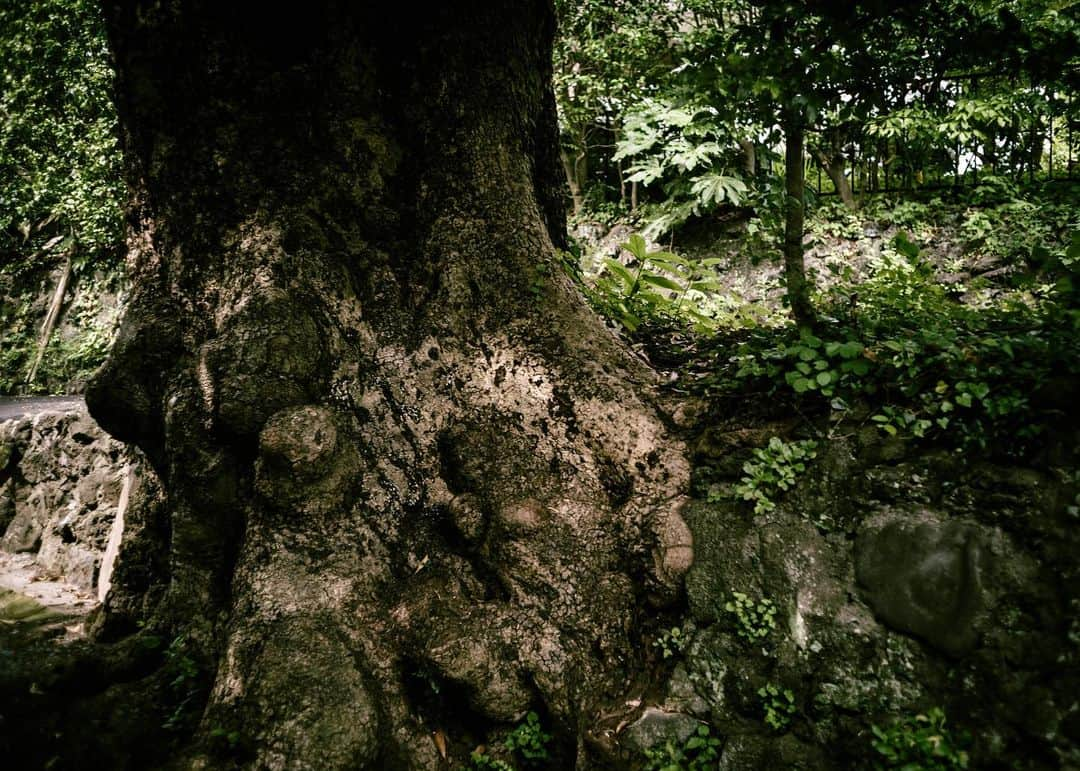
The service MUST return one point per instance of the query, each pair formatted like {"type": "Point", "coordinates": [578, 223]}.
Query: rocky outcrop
{"type": "Point", "coordinates": [63, 482]}
{"type": "Point", "coordinates": [892, 580]}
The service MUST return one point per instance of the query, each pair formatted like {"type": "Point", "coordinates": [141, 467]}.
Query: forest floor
{"type": "Point", "coordinates": [32, 603]}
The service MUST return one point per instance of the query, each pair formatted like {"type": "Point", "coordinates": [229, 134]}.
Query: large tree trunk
{"type": "Point", "coordinates": [798, 288]}
{"type": "Point", "coordinates": [411, 484]}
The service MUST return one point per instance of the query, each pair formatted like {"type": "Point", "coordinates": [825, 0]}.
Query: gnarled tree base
{"type": "Point", "coordinates": [411, 486]}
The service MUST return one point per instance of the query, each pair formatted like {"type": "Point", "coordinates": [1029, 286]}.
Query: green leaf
{"type": "Point", "coordinates": [707, 285]}
{"type": "Point", "coordinates": [617, 268]}
{"type": "Point", "coordinates": [851, 349]}
{"type": "Point", "coordinates": [636, 246]}
{"type": "Point", "coordinates": [903, 244]}
{"type": "Point", "coordinates": [661, 281]}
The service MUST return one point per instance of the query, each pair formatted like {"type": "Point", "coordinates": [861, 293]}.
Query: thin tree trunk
{"type": "Point", "coordinates": [412, 485]}
{"type": "Point", "coordinates": [798, 289]}
{"type": "Point", "coordinates": [50, 319]}
{"type": "Point", "coordinates": [834, 168]}
{"type": "Point", "coordinates": [572, 182]}
{"type": "Point", "coordinates": [749, 157]}
{"type": "Point", "coordinates": [622, 185]}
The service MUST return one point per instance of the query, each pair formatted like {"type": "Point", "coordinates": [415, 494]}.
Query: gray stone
{"type": "Point", "coordinates": [60, 496]}
{"type": "Point", "coordinates": [682, 696]}
{"type": "Point", "coordinates": [656, 727]}
{"type": "Point", "coordinates": [924, 576]}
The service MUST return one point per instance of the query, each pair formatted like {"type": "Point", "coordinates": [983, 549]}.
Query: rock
{"type": "Point", "coordinates": [7, 504]}
{"type": "Point", "coordinates": [887, 562]}
{"type": "Point", "coordinates": [924, 575]}
{"type": "Point", "coordinates": [24, 532]}
{"type": "Point", "coordinates": [689, 413]}
{"type": "Point", "coordinates": [657, 727]}
{"type": "Point", "coordinates": [61, 492]}
{"type": "Point", "coordinates": [725, 548]}
{"type": "Point", "coordinates": [682, 696]}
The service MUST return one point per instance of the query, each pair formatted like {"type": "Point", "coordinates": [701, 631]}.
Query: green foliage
{"type": "Point", "coordinates": [185, 682]}
{"type": "Point", "coordinates": [686, 151]}
{"type": "Point", "coordinates": [528, 741]}
{"type": "Point", "coordinates": [920, 742]}
{"type": "Point", "coordinates": [671, 642]}
{"type": "Point", "coordinates": [835, 220]}
{"type": "Point", "coordinates": [809, 364]}
{"type": "Point", "coordinates": [224, 740]}
{"type": "Point", "coordinates": [775, 468]}
{"type": "Point", "coordinates": [480, 761]}
{"type": "Point", "coordinates": [900, 341]}
{"type": "Point", "coordinates": [701, 751]}
{"type": "Point", "coordinates": [894, 421]}
{"type": "Point", "coordinates": [61, 184]}
{"type": "Point", "coordinates": [778, 704]}
{"type": "Point", "coordinates": [663, 286]}
{"type": "Point", "coordinates": [754, 620]}
{"type": "Point", "coordinates": [74, 351]}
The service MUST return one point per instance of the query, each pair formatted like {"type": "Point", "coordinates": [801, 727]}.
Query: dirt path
{"type": "Point", "coordinates": [12, 407]}
{"type": "Point", "coordinates": [33, 603]}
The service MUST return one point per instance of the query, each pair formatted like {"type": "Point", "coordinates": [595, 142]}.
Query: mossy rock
{"type": "Point", "coordinates": [17, 608]}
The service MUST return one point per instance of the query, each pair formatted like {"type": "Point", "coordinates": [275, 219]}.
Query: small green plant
{"type": "Point", "coordinates": [894, 421]}
{"type": "Point", "coordinates": [184, 683]}
{"type": "Point", "coordinates": [539, 283]}
{"type": "Point", "coordinates": [778, 704]}
{"type": "Point", "coordinates": [754, 620]}
{"type": "Point", "coordinates": [529, 741]}
{"type": "Point", "coordinates": [663, 287]}
{"type": "Point", "coordinates": [811, 365]}
{"type": "Point", "coordinates": [481, 761]}
{"type": "Point", "coordinates": [671, 642]}
{"type": "Point", "coordinates": [774, 469]}
{"type": "Point", "coordinates": [699, 752]}
{"type": "Point", "coordinates": [225, 739]}
{"type": "Point", "coordinates": [920, 742]}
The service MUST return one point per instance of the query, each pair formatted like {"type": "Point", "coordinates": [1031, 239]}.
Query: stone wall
{"type": "Point", "coordinates": [63, 482]}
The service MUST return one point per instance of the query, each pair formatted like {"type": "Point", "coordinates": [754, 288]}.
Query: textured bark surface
{"type": "Point", "coordinates": [798, 288]}
{"type": "Point", "coordinates": [833, 164]}
{"type": "Point", "coordinates": [397, 453]}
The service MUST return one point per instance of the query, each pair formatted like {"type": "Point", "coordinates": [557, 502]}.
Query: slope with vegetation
{"type": "Point", "coordinates": [878, 340]}
{"type": "Point", "coordinates": [60, 197]}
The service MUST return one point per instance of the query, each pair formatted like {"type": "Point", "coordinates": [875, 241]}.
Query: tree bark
{"type": "Point", "coordinates": [798, 289]}
{"type": "Point", "coordinates": [410, 483]}
{"type": "Point", "coordinates": [833, 166]}
{"type": "Point", "coordinates": [569, 169]}
{"type": "Point", "coordinates": [749, 157]}
{"type": "Point", "coordinates": [51, 318]}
